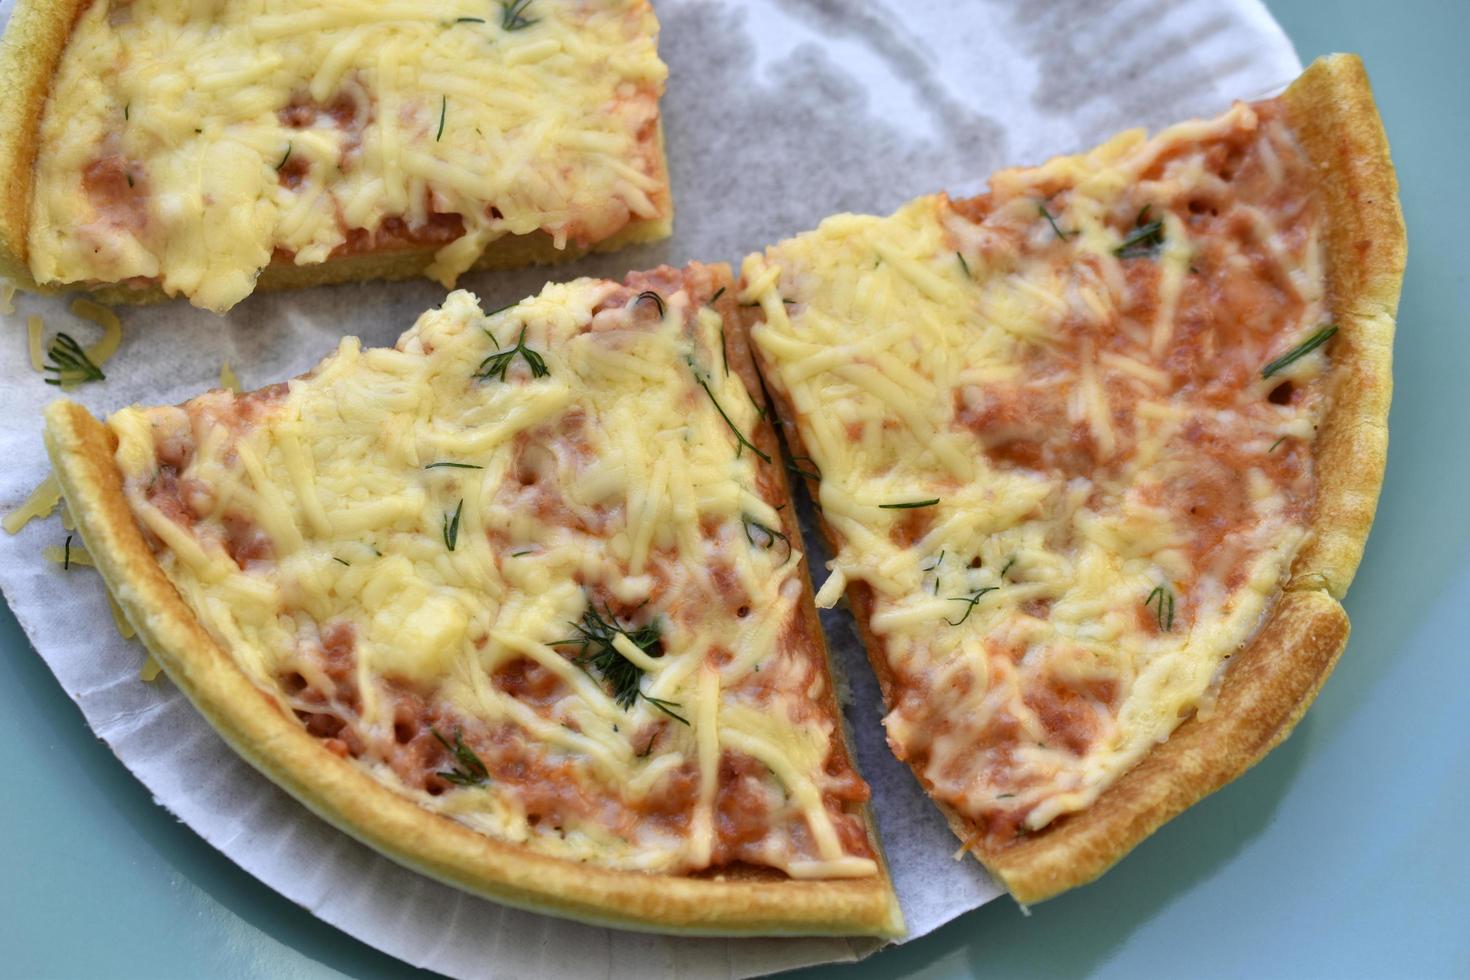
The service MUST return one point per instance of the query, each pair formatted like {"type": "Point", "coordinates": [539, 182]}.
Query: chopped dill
{"type": "Point", "coordinates": [70, 363]}
{"type": "Point", "coordinates": [468, 769]}
{"type": "Point", "coordinates": [595, 635]}
{"type": "Point", "coordinates": [910, 504]}
{"type": "Point", "coordinates": [451, 527]}
{"type": "Point", "coordinates": [513, 14]}
{"type": "Point", "coordinates": [1300, 350]}
{"type": "Point", "coordinates": [1056, 229]}
{"type": "Point", "coordinates": [1165, 611]}
{"type": "Point", "coordinates": [772, 536]}
{"type": "Point", "coordinates": [1146, 238]}
{"type": "Point", "coordinates": [498, 363]}
{"type": "Point", "coordinates": [973, 600]}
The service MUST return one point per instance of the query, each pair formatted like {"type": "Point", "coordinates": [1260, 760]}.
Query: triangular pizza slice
{"type": "Point", "coordinates": [1098, 452]}
{"type": "Point", "coordinates": [519, 602]}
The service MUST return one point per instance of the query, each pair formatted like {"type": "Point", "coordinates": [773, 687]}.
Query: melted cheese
{"type": "Point", "coordinates": [188, 143]}
{"type": "Point", "coordinates": [309, 529]}
{"type": "Point", "coordinates": [1111, 523]}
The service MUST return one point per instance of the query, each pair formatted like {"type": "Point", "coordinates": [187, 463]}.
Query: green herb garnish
{"type": "Point", "coordinates": [469, 20]}
{"type": "Point", "coordinates": [811, 474]}
{"type": "Point", "coordinates": [457, 466]}
{"type": "Point", "coordinates": [66, 555]}
{"type": "Point", "coordinates": [1301, 350]}
{"type": "Point", "coordinates": [718, 293]}
{"type": "Point", "coordinates": [468, 769]}
{"type": "Point", "coordinates": [1275, 444]}
{"type": "Point", "coordinates": [1056, 229]}
{"type": "Point", "coordinates": [70, 363]}
{"type": "Point", "coordinates": [1145, 240]}
{"type": "Point", "coordinates": [1165, 610]}
{"type": "Point", "coordinates": [742, 442]}
{"type": "Point", "coordinates": [964, 265]}
{"type": "Point", "coordinates": [595, 635]}
{"type": "Point", "coordinates": [443, 109]}
{"type": "Point", "coordinates": [451, 527]}
{"type": "Point", "coordinates": [284, 157]}
{"type": "Point", "coordinates": [650, 296]}
{"type": "Point", "coordinates": [772, 536]}
{"type": "Point", "coordinates": [341, 561]}
{"type": "Point", "coordinates": [513, 14]}
{"type": "Point", "coordinates": [1008, 566]}
{"type": "Point", "coordinates": [910, 504]}
{"type": "Point", "coordinates": [972, 599]}
{"type": "Point", "coordinates": [498, 363]}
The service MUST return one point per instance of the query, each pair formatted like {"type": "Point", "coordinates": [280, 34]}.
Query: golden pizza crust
{"type": "Point", "coordinates": [735, 901]}
{"type": "Point", "coordinates": [29, 53]}
{"type": "Point", "coordinates": [1270, 683]}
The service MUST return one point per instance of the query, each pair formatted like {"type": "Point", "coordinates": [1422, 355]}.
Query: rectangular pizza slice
{"type": "Point", "coordinates": [160, 147]}
{"type": "Point", "coordinates": [1097, 454]}
{"type": "Point", "coordinates": [520, 602]}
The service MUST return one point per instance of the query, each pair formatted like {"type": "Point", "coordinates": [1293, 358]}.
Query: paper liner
{"type": "Point", "coordinates": [777, 114]}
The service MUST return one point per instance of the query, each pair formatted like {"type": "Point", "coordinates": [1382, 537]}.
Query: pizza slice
{"type": "Point", "coordinates": [157, 147]}
{"type": "Point", "coordinates": [1097, 453]}
{"type": "Point", "coordinates": [519, 602]}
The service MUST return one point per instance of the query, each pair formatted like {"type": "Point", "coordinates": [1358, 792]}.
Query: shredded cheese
{"type": "Point", "coordinates": [412, 526]}
{"type": "Point", "coordinates": [1042, 435]}
{"type": "Point", "coordinates": [191, 147]}
{"type": "Point", "coordinates": [40, 504]}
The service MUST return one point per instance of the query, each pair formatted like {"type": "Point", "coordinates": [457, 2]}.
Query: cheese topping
{"type": "Point", "coordinates": [190, 143]}
{"type": "Point", "coordinates": [521, 568]}
{"type": "Point", "coordinates": [1049, 448]}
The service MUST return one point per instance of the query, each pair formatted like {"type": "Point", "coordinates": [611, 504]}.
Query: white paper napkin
{"type": "Point", "coordinates": [778, 113]}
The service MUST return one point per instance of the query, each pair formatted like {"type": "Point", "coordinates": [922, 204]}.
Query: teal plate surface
{"type": "Point", "coordinates": [1342, 854]}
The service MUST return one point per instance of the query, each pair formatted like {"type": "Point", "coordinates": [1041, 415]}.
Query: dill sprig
{"type": "Point", "coordinates": [772, 536]}
{"type": "Point", "coordinates": [443, 109]}
{"type": "Point", "coordinates": [451, 527]}
{"type": "Point", "coordinates": [513, 14]}
{"type": "Point", "coordinates": [469, 20]}
{"type": "Point", "coordinates": [457, 466]}
{"type": "Point", "coordinates": [66, 555]}
{"type": "Point", "coordinates": [498, 363]}
{"type": "Point", "coordinates": [964, 265]}
{"type": "Point", "coordinates": [1146, 238]}
{"type": "Point", "coordinates": [909, 504]}
{"type": "Point", "coordinates": [285, 156]}
{"type": "Point", "coordinates": [812, 474]}
{"type": "Point", "coordinates": [973, 599]}
{"type": "Point", "coordinates": [718, 293]}
{"type": "Point", "coordinates": [1056, 229]}
{"type": "Point", "coordinates": [1165, 610]}
{"type": "Point", "coordinates": [742, 443]}
{"type": "Point", "coordinates": [649, 296]}
{"type": "Point", "coordinates": [342, 561]}
{"type": "Point", "coordinates": [1300, 350]}
{"type": "Point", "coordinates": [468, 769]}
{"type": "Point", "coordinates": [595, 635]}
{"type": "Point", "coordinates": [1275, 444]}
{"type": "Point", "coordinates": [1009, 564]}
{"type": "Point", "coordinates": [70, 363]}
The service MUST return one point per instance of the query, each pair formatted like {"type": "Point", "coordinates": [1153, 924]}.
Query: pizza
{"type": "Point", "coordinates": [1096, 454]}
{"type": "Point", "coordinates": [520, 602]}
{"type": "Point", "coordinates": [158, 147]}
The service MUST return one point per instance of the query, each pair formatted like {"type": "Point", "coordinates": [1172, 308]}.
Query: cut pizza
{"type": "Point", "coordinates": [157, 147]}
{"type": "Point", "coordinates": [518, 602]}
{"type": "Point", "coordinates": [1097, 453]}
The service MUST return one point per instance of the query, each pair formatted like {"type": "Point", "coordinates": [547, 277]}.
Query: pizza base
{"type": "Point", "coordinates": [29, 54]}
{"type": "Point", "coordinates": [1270, 683]}
{"type": "Point", "coordinates": [733, 901]}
